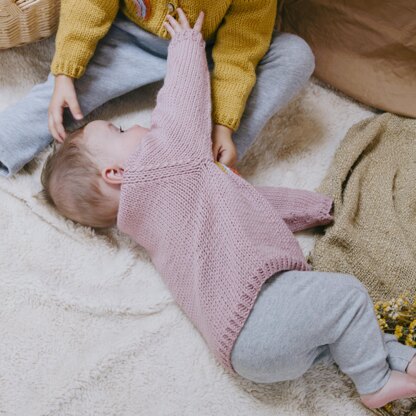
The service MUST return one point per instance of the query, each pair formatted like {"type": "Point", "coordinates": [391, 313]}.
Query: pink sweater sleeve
{"type": "Point", "coordinates": [299, 209]}
{"type": "Point", "coordinates": [182, 116]}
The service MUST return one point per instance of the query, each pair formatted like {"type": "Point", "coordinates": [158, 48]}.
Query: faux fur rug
{"type": "Point", "coordinates": [87, 326]}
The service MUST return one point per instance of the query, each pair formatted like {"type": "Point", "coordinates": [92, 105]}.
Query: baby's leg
{"type": "Point", "coordinates": [119, 65]}
{"type": "Point", "coordinates": [402, 382]}
{"type": "Point", "coordinates": [399, 356]}
{"type": "Point", "coordinates": [281, 74]}
{"type": "Point", "coordinates": [301, 318]}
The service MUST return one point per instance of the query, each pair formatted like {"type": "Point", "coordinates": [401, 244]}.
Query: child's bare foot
{"type": "Point", "coordinates": [411, 368]}
{"type": "Point", "coordinates": [399, 386]}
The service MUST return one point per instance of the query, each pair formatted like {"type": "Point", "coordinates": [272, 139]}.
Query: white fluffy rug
{"type": "Point", "coordinates": [87, 326]}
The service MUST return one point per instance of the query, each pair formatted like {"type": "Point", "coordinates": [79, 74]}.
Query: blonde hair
{"type": "Point", "coordinates": [71, 184]}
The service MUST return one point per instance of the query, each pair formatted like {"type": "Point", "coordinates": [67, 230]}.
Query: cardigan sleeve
{"type": "Point", "coordinates": [241, 42]}
{"type": "Point", "coordinates": [81, 25]}
{"type": "Point", "coordinates": [181, 119]}
{"type": "Point", "coordinates": [299, 209]}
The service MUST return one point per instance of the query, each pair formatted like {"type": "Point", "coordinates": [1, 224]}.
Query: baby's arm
{"type": "Point", "coordinates": [182, 117]}
{"type": "Point", "coordinates": [299, 209]}
{"type": "Point", "coordinates": [81, 25]}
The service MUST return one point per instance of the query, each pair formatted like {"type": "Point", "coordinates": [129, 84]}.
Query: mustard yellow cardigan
{"type": "Point", "coordinates": [244, 29]}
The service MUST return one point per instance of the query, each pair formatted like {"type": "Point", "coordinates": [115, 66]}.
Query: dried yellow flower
{"type": "Point", "coordinates": [382, 323]}
{"type": "Point", "coordinates": [398, 317]}
{"type": "Point", "coordinates": [410, 340]}
{"type": "Point", "coordinates": [398, 331]}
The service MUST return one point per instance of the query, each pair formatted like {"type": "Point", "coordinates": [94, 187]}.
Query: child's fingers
{"type": "Point", "coordinates": [227, 158]}
{"type": "Point", "coordinates": [199, 22]}
{"type": "Point", "coordinates": [59, 126]}
{"type": "Point", "coordinates": [169, 28]}
{"type": "Point", "coordinates": [176, 26]}
{"type": "Point", "coordinates": [53, 127]}
{"type": "Point", "coordinates": [183, 19]}
{"type": "Point", "coordinates": [74, 107]}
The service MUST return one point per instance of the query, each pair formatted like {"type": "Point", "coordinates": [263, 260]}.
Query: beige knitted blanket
{"type": "Point", "coordinates": [373, 182]}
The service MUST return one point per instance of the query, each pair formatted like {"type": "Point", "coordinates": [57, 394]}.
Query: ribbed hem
{"type": "Point", "coordinates": [247, 299]}
{"type": "Point", "coordinates": [230, 122]}
{"type": "Point", "coordinates": [67, 68]}
{"type": "Point", "coordinates": [319, 217]}
{"type": "Point", "coordinates": [325, 213]}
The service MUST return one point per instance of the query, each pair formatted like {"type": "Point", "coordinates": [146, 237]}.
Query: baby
{"type": "Point", "coordinates": [224, 248]}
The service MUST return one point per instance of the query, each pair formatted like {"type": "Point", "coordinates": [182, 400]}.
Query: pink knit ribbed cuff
{"type": "Point", "coordinates": [320, 215]}
{"type": "Point", "coordinates": [188, 34]}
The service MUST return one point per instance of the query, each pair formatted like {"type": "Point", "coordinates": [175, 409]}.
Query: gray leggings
{"type": "Point", "coordinates": [127, 58]}
{"type": "Point", "coordinates": [302, 318]}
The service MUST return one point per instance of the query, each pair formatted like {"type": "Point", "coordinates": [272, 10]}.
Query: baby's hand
{"type": "Point", "coordinates": [223, 147]}
{"type": "Point", "coordinates": [174, 27]}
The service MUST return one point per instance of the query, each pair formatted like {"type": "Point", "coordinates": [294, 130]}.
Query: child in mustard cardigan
{"type": "Point", "coordinates": [106, 48]}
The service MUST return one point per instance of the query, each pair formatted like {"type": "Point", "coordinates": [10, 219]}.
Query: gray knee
{"type": "Point", "coordinates": [303, 55]}
{"type": "Point", "coordinates": [296, 52]}
{"type": "Point", "coordinates": [350, 280]}
{"type": "Point", "coordinates": [349, 291]}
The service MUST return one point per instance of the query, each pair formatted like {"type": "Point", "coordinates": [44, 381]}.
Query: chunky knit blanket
{"type": "Point", "coordinates": [373, 182]}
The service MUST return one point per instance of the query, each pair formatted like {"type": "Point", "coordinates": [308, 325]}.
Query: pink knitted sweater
{"type": "Point", "coordinates": [213, 237]}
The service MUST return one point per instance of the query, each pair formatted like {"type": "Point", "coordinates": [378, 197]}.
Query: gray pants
{"type": "Point", "coordinates": [302, 318]}
{"type": "Point", "coordinates": [129, 57]}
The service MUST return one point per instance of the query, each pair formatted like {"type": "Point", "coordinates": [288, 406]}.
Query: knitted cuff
{"type": "Point", "coordinates": [326, 211]}
{"type": "Point", "coordinates": [187, 35]}
{"type": "Point", "coordinates": [230, 122]}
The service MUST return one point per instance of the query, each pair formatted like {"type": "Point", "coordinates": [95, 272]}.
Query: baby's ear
{"type": "Point", "coordinates": [113, 175]}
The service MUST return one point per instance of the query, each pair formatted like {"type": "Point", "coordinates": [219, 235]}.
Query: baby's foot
{"type": "Point", "coordinates": [411, 368]}
{"type": "Point", "coordinates": [399, 386]}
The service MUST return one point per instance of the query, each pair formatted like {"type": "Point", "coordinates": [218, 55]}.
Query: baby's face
{"type": "Point", "coordinates": [109, 145]}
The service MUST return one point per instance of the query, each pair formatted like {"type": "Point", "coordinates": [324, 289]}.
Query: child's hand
{"type": "Point", "coordinates": [223, 147]}
{"type": "Point", "coordinates": [64, 95]}
{"type": "Point", "coordinates": [173, 26]}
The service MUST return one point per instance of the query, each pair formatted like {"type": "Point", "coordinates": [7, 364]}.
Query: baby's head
{"type": "Point", "coordinates": [82, 177]}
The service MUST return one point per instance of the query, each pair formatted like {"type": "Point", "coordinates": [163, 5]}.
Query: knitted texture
{"type": "Point", "coordinates": [299, 209]}
{"type": "Point", "coordinates": [372, 180]}
{"type": "Point", "coordinates": [244, 29]}
{"type": "Point", "coordinates": [211, 235]}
